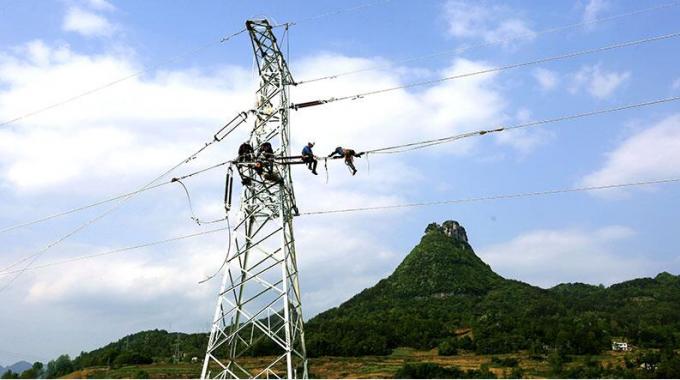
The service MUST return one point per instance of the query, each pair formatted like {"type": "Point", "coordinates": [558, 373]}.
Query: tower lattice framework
{"type": "Point", "coordinates": [259, 310]}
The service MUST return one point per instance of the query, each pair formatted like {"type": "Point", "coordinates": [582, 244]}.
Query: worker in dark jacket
{"type": "Point", "coordinates": [348, 154]}
{"type": "Point", "coordinates": [309, 158]}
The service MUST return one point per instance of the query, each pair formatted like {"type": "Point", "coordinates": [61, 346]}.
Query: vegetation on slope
{"type": "Point", "coordinates": [442, 295]}
{"type": "Point", "coordinates": [442, 288]}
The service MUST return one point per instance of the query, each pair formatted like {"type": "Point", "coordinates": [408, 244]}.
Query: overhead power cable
{"type": "Point", "coordinates": [495, 197]}
{"type": "Point", "coordinates": [333, 13]}
{"type": "Point", "coordinates": [108, 200]}
{"type": "Point", "coordinates": [178, 57]}
{"type": "Point", "coordinates": [383, 150]}
{"type": "Point", "coordinates": [427, 143]}
{"type": "Point", "coordinates": [115, 251]}
{"type": "Point", "coordinates": [121, 80]}
{"type": "Point", "coordinates": [33, 257]}
{"type": "Point", "coordinates": [219, 136]}
{"type": "Point", "coordinates": [360, 209]}
{"type": "Point", "coordinates": [493, 42]}
{"type": "Point", "coordinates": [574, 54]}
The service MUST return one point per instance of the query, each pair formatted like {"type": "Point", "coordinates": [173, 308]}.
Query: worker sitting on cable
{"type": "Point", "coordinates": [309, 158]}
{"type": "Point", "coordinates": [349, 155]}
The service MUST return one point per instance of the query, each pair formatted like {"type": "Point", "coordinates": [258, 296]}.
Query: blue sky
{"type": "Point", "coordinates": [116, 139]}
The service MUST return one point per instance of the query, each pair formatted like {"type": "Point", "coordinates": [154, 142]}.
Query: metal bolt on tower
{"type": "Point", "coordinates": [259, 310]}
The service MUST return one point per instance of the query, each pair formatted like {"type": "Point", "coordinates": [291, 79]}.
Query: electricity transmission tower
{"type": "Point", "coordinates": [259, 310]}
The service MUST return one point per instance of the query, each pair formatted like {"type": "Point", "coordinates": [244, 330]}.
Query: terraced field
{"type": "Point", "coordinates": [364, 367]}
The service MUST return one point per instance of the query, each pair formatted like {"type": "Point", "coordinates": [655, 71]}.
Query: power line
{"type": "Point", "coordinates": [219, 136]}
{"type": "Point", "coordinates": [493, 42]}
{"type": "Point", "coordinates": [490, 70]}
{"type": "Point", "coordinates": [80, 208]}
{"type": "Point", "coordinates": [427, 143]}
{"type": "Point", "coordinates": [120, 80]}
{"type": "Point", "coordinates": [333, 13]}
{"type": "Point", "coordinates": [359, 209]}
{"type": "Point", "coordinates": [115, 251]}
{"type": "Point", "coordinates": [383, 150]}
{"type": "Point", "coordinates": [33, 257]}
{"type": "Point", "coordinates": [495, 197]}
{"type": "Point", "coordinates": [108, 200]}
{"type": "Point", "coordinates": [178, 57]}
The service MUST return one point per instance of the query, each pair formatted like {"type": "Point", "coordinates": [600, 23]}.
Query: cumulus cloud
{"type": "Point", "coordinates": [100, 5]}
{"type": "Point", "coordinates": [549, 257]}
{"type": "Point", "coordinates": [524, 141]}
{"type": "Point", "coordinates": [137, 127]}
{"type": "Point", "coordinates": [113, 140]}
{"type": "Point", "coordinates": [489, 23]}
{"type": "Point", "coordinates": [593, 9]}
{"type": "Point", "coordinates": [647, 155]}
{"type": "Point", "coordinates": [598, 82]}
{"type": "Point", "coordinates": [87, 23]}
{"type": "Point", "coordinates": [397, 116]}
{"type": "Point", "coordinates": [547, 79]}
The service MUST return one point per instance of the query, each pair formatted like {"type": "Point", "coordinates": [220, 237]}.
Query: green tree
{"type": "Point", "coordinates": [59, 367]}
{"type": "Point", "coordinates": [34, 372]}
{"type": "Point", "coordinates": [556, 361]}
{"type": "Point", "coordinates": [131, 358]}
{"type": "Point", "coordinates": [10, 375]}
{"type": "Point", "coordinates": [428, 371]}
{"type": "Point", "coordinates": [448, 347]}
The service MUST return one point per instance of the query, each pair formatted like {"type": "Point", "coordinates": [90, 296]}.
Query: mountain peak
{"type": "Point", "coordinates": [442, 263]}
{"type": "Point", "coordinates": [450, 228]}
{"type": "Point", "coordinates": [17, 367]}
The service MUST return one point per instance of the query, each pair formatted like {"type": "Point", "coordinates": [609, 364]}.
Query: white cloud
{"type": "Point", "coordinates": [395, 117]}
{"type": "Point", "coordinates": [676, 84]}
{"type": "Point", "coordinates": [365, 259]}
{"type": "Point", "coordinates": [140, 125]}
{"type": "Point", "coordinates": [136, 277]}
{"type": "Point", "coordinates": [549, 257]}
{"type": "Point", "coordinates": [100, 5]}
{"type": "Point", "coordinates": [598, 82]}
{"type": "Point", "coordinates": [87, 23]}
{"type": "Point", "coordinates": [523, 141]}
{"type": "Point", "coordinates": [490, 23]}
{"type": "Point", "coordinates": [547, 79]}
{"type": "Point", "coordinates": [114, 139]}
{"type": "Point", "coordinates": [593, 9]}
{"type": "Point", "coordinates": [647, 155]}
{"type": "Point", "coordinates": [116, 136]}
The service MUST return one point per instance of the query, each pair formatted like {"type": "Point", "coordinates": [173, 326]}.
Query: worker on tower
{"type": "Point", "coordinates": [266, 151]}
{"type": "Point", "coordinates": [245, 158]}
{"type": "Point", "coordinates": [309, 158]}
{"type": "Point", "coordinates": [348, 154]}
{"type": "Point", "coordinates": [264, 163]}
{"type": "Point", "coordinates": [245, 152]}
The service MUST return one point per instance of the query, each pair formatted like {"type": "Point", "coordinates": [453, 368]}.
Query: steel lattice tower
{"type": "Point", "coordinates": [259, 310]}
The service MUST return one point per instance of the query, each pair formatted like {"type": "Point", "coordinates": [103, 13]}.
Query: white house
{"type": "Point", "coordinates": [620, 346]}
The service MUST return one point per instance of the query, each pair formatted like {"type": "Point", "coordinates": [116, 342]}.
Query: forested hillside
{"type": "Point", "coordinates": [443, 296]}
{"type": "Point", "coordinates": [443, 292]}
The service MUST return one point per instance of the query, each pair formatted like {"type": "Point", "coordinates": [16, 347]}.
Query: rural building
{"type": "Point", "coordinates": [620, 346]}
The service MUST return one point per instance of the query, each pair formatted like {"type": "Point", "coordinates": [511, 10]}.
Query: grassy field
{"type": "Point", "coordinates": [365, 367]}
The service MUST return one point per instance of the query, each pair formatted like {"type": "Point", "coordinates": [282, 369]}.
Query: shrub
{"type": "Point", "coordinates": [428, 371]}
{"type": "Point", "coordinates": [448, 347]}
